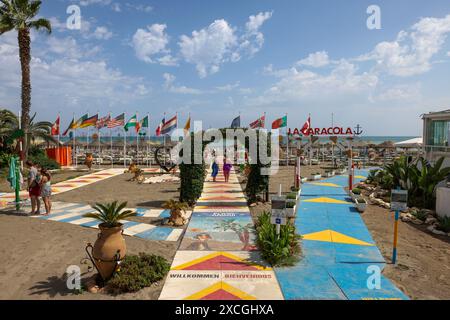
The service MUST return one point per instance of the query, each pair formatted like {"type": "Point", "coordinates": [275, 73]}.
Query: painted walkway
{"type": "Point", "coordinates": [68, 185]}
{"type": "Point", "coordinates": [73, 213]}
{"type": "Point", "coordinates": [339, 252]}
{"type": "Point", "coordinates": [218, 258]}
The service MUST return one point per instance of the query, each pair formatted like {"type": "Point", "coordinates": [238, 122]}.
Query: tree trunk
{"type": "Point", "coordinates": [25, 58]}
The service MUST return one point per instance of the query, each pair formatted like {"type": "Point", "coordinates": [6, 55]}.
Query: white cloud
{"type": "Point", "coordinates": [86, 3]}
{"type": "Point", "coordinates": [116, 7]}
{"type": "Point", "coordinates": [102, 33]}
{"type": "Point", "coordinates": [253, 39]}
{"type": "Point", "coordinates": [398, 93]}
{"type": "Point", "coordinates": [315, 60]}
{"type": "Point", "coordinates": [220, 42]}
{"type": "Point", "coordinates": [66, 79]}
{"type": "Point", "coordinates": [140, 7]}
{"type": "Point", "coordinates": [152, 42]}
{"type": "Point", "coordinates": [209, 47]}
{"type": "Point", "coordinates": [294, 85]}
{"type": "Point", "coordinates": [169, 85]}
{"type": "Point", "coordinates": [412, 52]}
{"type": "Point", "coordinates": [228, 87]}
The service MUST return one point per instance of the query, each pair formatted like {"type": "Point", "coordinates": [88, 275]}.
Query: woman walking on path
{"type": "Point", "coordinates": [34, 189]}
{"type": "Point", "coordinates": [215, 170]}
{"type": "Point", "coordinates": [46, 190]}
{"type": "Point", "coordinates": [226, 169]}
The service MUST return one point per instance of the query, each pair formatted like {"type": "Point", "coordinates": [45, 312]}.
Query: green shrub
{"type": "Point", "coordinates": [444, 224]}
{"type": "Point", "coordinates": [291, 196]}
{"type": "Point", "coordinates": [258, 183]}
{"type": "Point", "coordinates": [44, 161]}
{"type": "Point", "coordinates": [420, 214]}
{"type": "Point", "coordinates": [290, 204]}
{"type": "Point", "coordinates": [192, 176]}
{"type": "Point", "coordinates": [138, 272]}
{"type": "Point", "coordinates": [278, 251]}
{"type": "Point", "coordinates": [356, 191]}
{"type": "Point", "coordinates": [4, 159]}
{"type": "Point", "coordinates": [295, 189]}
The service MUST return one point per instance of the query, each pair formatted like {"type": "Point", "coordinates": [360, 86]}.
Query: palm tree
{"type": "Point", "coordinates": [18, 15]}
{"type": "Point", "coordinates": [9, 125]}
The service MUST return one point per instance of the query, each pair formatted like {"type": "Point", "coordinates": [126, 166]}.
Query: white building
{"type": "Point", "coordinates": [436, 134]}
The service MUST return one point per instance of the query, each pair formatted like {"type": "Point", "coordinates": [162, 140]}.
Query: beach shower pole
{"type": "Point", "coordinates": [350, 165]}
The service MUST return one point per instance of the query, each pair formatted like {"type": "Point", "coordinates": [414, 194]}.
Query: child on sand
{"type": "Point", "coordinates": [46, 190]}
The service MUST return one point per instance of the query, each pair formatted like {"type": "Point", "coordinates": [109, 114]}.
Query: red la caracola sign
{"type": "Point", "coordinates": [330, 131]}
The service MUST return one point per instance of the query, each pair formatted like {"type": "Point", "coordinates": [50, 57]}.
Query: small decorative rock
{"type": "Point", "coordinates": [431, 220]}
{"type": "Point", "coordinates": [417, 221]}
{"type": "Point", "coordinates": [439, 232]}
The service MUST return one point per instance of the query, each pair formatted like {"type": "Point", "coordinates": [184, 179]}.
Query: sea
{"type": "Point", "coordinates": [131, 139]}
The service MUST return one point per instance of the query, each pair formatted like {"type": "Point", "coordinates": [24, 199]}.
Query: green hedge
{"type": "Point", "coordinates": [258, 183]}
{"type": "Point", "coordinates": [192, 175]}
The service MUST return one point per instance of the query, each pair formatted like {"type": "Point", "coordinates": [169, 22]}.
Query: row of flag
{"type": "Point", "coordinates": [165, 127]}
{"type": "Point", "coordinates": [280, 123]}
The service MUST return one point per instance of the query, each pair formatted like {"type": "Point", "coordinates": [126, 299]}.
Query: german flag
{"type": "Point", "coordinates": [89, 122]}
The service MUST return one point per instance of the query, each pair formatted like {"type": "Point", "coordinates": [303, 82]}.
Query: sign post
{"type": "Point", "coordinates": [278, 213]}
{"type": "Point", "coordinates": [399, 202]}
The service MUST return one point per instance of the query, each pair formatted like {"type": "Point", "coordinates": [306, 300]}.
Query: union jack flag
{"type": "Point", "coordinates": [118, 121]}
{"type": "Point", "coordinates": [103, 122]}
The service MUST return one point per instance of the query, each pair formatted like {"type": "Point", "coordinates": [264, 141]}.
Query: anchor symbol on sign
{"type": "Point", "coordinates": [358, 130]}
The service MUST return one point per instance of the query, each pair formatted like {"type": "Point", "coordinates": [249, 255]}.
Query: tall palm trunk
{"type": "Point", "coordinates": [25, 58]}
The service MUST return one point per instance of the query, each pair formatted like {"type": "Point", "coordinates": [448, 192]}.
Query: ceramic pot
{"type": "Point", "coordinates": [109, 248]}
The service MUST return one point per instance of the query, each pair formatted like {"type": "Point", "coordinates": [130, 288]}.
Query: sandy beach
{"type": "Point", "coordinates": [37, 262]}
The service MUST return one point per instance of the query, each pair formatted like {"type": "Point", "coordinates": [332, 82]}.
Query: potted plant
{"type": "Point", "coordinates": [176, 212]}
{"type": "Point", "coordinates": [109, 248]}
{"type": "Point", "coordinates": [354, 193]}
{"type": "Point", "coordinates": [361, 203]}
{"type": "Point", "coordinates": [290, 209]}
{"type": "Point", "coordinates": [316, 176]}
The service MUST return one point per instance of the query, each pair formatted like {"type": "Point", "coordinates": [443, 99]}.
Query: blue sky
{"type": "Point", "coordinates": [214, 59]}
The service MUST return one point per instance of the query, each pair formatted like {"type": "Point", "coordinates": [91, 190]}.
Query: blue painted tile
{"type": "Point", "coordinates": [158, 233]}
{"type": "Point", "coordinates": [353, 280]}
{"type": "Point", "coordinates": [308, 282]}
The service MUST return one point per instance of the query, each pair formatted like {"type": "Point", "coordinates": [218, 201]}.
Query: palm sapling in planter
{"type": "Point", "coordinates": [109, 248]}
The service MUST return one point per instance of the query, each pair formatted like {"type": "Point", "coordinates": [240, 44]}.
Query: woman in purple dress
{"type": "Point", "coordinates": [226, 169]}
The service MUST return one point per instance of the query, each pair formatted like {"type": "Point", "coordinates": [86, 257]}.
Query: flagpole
{"type": "Point", "coordinates": [59, 125]}
{"type": "Point", "coordinates": [110, 135]}
{"type": "Point", "coordinates": [124, 141]}
{"type": "Point", "coordinates": [88, 132]}
{"type": "Point", "coordinates": [310, 142]}
{"type": "Point", "coordinates": [98, 134]}
{"type": "Point", "coordinates": [74, 143]}
{"type": "Point", "coordinates": [137, 139]}
{"type": "Point", "coordinates": [287, 143]}
{"type": "Point", "coordinates": [164, 136]}
{"type": "Point", "coordinates": [332, 143]}
{"type": "Point", "coordinates": [148, 140]}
